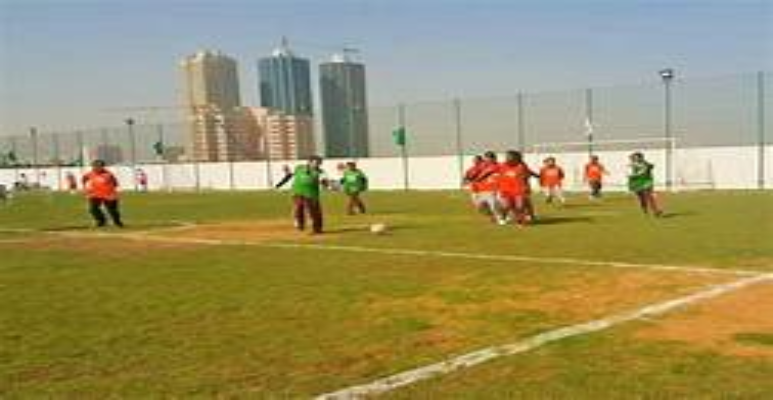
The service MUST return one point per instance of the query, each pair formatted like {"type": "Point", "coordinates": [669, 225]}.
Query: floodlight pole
{"type": "Point", "coordinates": [667, 75]}
{"type": "Point", "coordinates": [404, 145]}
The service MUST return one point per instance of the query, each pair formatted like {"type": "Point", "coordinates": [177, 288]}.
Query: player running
{"type": "Point", "coordinates": [101, 189]}
{"type": "Point", "coordinates": [514, 189]}
{"type": "Point", "coordinates": [485, 183]}
{"type": "Point", "coordinates": [594, 175]}
{"type": "Point", "coordinates": [551, 177]}
{"type": "Point", "coordinates": [353, 183]}
{"type": "Point", "coordinates": [307, 180]}
{"type": "Point", "coordinates": [642, 183]}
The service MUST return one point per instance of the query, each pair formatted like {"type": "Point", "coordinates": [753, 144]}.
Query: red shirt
{"type": "Point", "coordinates": [100, 185]}
{"type": "Point", "coordinates": [514, 179]}
{"type": "Point", "coordinates": [594, 172]}
{"type": "Point", "coordinates": [551, 176]}
{"type": "Point", "coordinates": [488, 178]}
{"type": "Point", "coordinates": [471, 176]}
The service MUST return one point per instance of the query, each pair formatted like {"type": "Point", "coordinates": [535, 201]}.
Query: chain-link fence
{"type": "Point", "coordinates": [681, 114]}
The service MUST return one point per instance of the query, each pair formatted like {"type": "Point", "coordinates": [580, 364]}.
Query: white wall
{"type": "Point", "coordinates": [709, 167]}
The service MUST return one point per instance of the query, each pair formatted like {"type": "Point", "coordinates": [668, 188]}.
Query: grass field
{"type": "Point", "coordinates": [215, 294]}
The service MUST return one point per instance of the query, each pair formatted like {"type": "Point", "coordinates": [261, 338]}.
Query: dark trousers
{"type": "Point", "coordinates": [648, 202]}
{"type": "Point", "coordinates": [355, 204]}
{"type": "Point", "coordinates": [95, 208]}
{"type": "Point", "coordinates": [305, 205]}
{"type": "Point", "coordinates": [595, 188]}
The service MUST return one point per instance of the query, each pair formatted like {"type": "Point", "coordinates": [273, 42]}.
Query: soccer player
{"type": "Point", "coordinates": [101, 188]}
{"type": "Point", "coordinates": [307, 180]}
{"type": "Point", "coordinates": [642, 183]}
{"type": "Point", "coordinates": [142, 180]}
{"type": "Point", "coordinates": [486, 184]}
{"type": "Point", "coordinates": [471, 176]}
{"type": "Point", "coordinates": [71, 183]}
{"type": "Point", "coordinates": [514, 189]}
{"type": "Point", "coordinates": [353, 183]}
{"type": "Point", "coordinates": [551, 177]}
{"type": "Point", "coordinates": [594, 175]}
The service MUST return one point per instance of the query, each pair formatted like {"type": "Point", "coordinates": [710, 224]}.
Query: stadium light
{"type": "Point", "coordinates": [667, 76]}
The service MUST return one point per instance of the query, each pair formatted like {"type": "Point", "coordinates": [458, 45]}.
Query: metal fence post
{"type": "Point", "coordinates": [761, 140]}
{"type": "Point", "coordinates": [404, 146]}
{"type": "Point", "coordinates": [459, 140]}
{"type": "Point", "coordinates": [521, 124]}
{"type": "Point", "coordinates": [35, 160]}
{"type": "Point", "coordinates": [57, 160]}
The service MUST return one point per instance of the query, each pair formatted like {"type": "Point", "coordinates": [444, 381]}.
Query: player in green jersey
{"type": "Point", "coordinates": [642, 183]}
{"type": "Point", "coordinates": [307, 181]}
{"type": "Point", "coordinates": [353, 183]}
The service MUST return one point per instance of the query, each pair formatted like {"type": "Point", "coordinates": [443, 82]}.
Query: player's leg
{"type": "Point", "coordinates": [315, 213]}
{"type": "Point", "coordinates": [114, 212]}
{"type": "Point", "coordinates": [359, 203]}
{"type": "Point", "coordinates": [95, 209]}
{"type": "Point", "coordinates": [641, 195]}
{"type": "Point", "coordinates": [559, 194]}
{"type": "Point", "coordinates": [653, 203]}
{"type": "Point", "coordinates": [299, 212]}
{"type": "Point", "coordinates": [350, 203]}
{"type": "Point", "coordinates": [495, 208]}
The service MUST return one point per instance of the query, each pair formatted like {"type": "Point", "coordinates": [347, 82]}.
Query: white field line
{"type": "Point", "coordinates": [487, 354]}
{"type": "Point", "coordinates": [146, 236]}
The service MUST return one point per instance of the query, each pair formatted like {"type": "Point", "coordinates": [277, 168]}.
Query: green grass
{"type": "Point", "coordinates": [109, 317]}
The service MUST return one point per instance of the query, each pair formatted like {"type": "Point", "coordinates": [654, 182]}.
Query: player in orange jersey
{"type": "Point", "coordinates": [514, 188]}
{"type": "Point", "coordinates": [551, 177]}
{"type": "Point", "coordinates": [594, 176]}
{"type": "Point", "coordinates": [101, 189]}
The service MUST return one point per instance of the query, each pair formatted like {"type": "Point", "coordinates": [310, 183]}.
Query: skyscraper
{"type": "Point", "coordinates": [285, 82]}
{"type": "Point", "coordinates": [344, 108]}
{"type": "Point", "coordinates": [211, 80]}
{"type": "Point", "coordinates": [220, 128]}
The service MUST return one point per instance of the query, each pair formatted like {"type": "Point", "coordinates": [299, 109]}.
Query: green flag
{"type": "Point", "coordinates": [158, 148]}
{"type": "Point", "coordinates": [399, 136]}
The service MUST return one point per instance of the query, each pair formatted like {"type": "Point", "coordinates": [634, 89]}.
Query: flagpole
{"type": "Point", "coordinates": [589, 119]}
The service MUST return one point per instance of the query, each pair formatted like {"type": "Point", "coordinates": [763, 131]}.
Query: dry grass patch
{"type": "Point", "coordinates": [727, 325]}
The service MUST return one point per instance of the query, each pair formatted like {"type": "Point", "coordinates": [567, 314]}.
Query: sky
{"type": "Point", "coordinates": [67, 64]}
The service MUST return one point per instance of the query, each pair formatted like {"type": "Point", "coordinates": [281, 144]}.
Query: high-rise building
{"type": "Point", "coordinates": [217, 122]}
{"type": "Point", "coordinates": [344, 108]}
{"type": "Point", "coordinates": [285, 82]}
{"type": "Point", "coordinates": [284, 136]}
{"type": "Point", "coordinates": [226, 136]}
{"type": "Point", "coordinates": [211, 80]}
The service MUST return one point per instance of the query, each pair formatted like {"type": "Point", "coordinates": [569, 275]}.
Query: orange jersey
{"type": "Point", "coordinates": [551, 176]}
{"type": "Point", "coordinates": [100, 185]}
{"type": "Point", "coordinates": [488, 178]}
{"type": "Point", "coordinates": [514, 179]}
{"type": "Point", "coordinates": [594, 172]}
{"type": "Point", "coordinates": [471, 177]}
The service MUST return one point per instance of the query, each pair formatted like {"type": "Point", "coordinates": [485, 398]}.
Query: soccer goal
{"type": "Point", "coordinates": [675, 168]}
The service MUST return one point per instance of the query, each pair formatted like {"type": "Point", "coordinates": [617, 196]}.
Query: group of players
{"type": "Point", "coordinates": [502, 190]}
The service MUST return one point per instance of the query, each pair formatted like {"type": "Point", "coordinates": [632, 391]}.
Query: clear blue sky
{"type": "Point", "coordinates": [63, 61]}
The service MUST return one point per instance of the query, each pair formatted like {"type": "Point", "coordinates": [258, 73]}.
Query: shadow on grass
{"type": "Point", "coordinates": [554, 220]}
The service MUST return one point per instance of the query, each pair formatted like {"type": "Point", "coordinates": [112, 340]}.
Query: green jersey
{"type": "Point", "coordinates": [640, 177]}
{"type": "Point", "coordinates": [354, 181]}
{"type": "Point", "coordinates": [306, 181]}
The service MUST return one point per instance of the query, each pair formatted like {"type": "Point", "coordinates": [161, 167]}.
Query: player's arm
{"type": "Point", "coordinates": [285, 179]}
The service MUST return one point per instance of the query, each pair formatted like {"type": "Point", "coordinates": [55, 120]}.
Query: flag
{"type": "Point", "coordinates": [399, 135]}
{"type": "Point", "coordinates": [158, 148]}
{"type": "Point", "coordinates": [588, 127]}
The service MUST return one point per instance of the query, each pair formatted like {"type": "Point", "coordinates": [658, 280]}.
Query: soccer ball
{"type": "Point", "coordinates": [378, 229]}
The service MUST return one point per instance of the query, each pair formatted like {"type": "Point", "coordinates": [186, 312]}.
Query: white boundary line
{"type": "Point", "coordinates": [147, 236]}
{"type": "Point", "coordinates": [483, 355]}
